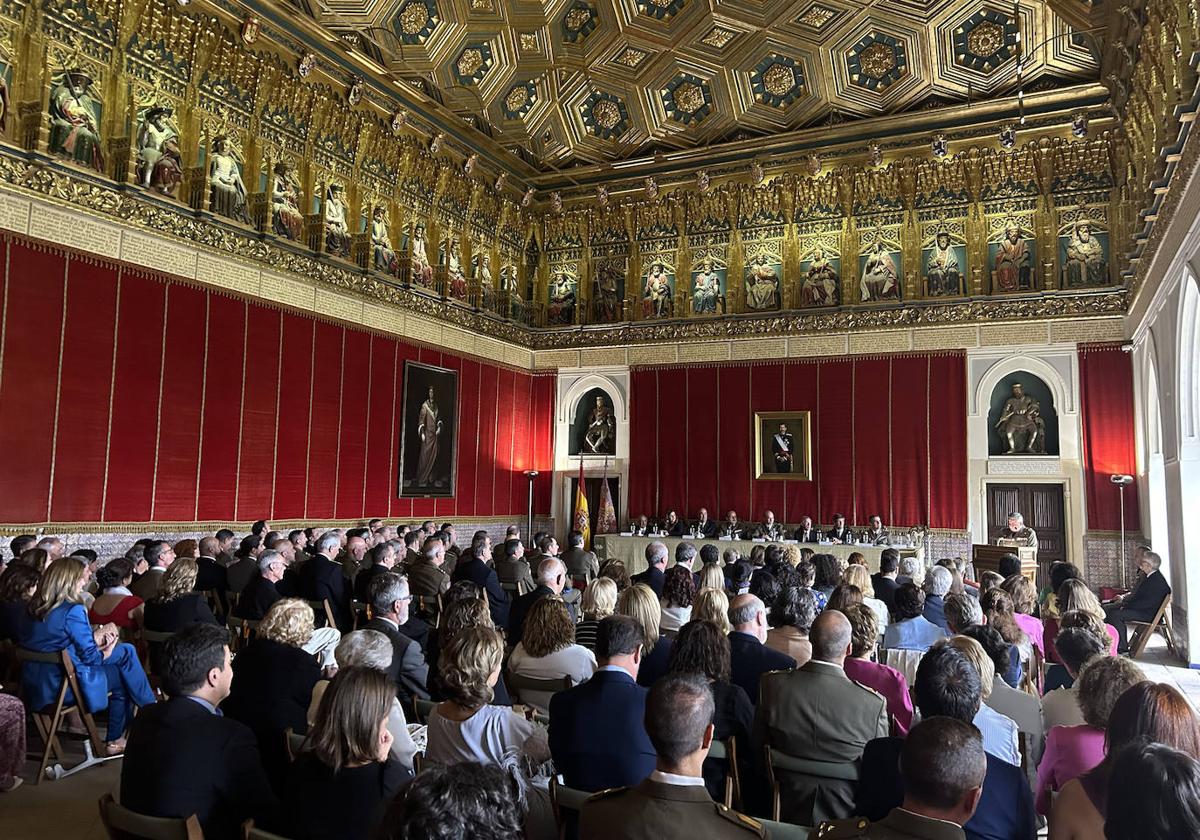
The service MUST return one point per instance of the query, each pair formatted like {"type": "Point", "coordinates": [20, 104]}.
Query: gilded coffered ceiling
{"type": "Point", "coordinates": [569, 82]}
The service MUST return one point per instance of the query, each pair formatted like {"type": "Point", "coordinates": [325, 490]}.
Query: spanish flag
{"type": "Point", "coordinates": [581, 510]}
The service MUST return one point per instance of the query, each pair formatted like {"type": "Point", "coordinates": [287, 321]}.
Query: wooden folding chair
{"type": "Point", "coordinates": [1143, 630]}
{"type": "Point", "coordinates": [122, 824]}
{"type": "Point", "coordinates": [253, 833]}
{"type": "Point", "coordinates": [517, 683]}
{"type": "Point", "coordinates": [294, 743]}
{"type": "Point", "coordinates": [421, 709]}
{"type": "Point", "coordinates": [777, 760]}
{"type": "Point", "coordinates": [785, 831]}
{"type": "Point", "coordinates": [726, 751]}
{"type": "Point", "coordinates": [321, 607]}
{"type": "Point", "coordinates": [49, 719]}
{"type": "Point", "coordinates": [429, 608]}
{"type": "Point", "coordinates": [240, 630]}
{"type": "Point", "coordinates": [565, 800]}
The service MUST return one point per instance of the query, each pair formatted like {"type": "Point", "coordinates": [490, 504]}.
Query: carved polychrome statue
{"type": "Point", "coordinates": [820, 281]}
{"type": "Point", "coordinates": [1085, 264]}
{"type": "Point", "coordinates": [227, 192]}
{"type": "Point", "coordinates": [657, 298]}
{"type": "Point", "coordinates": [452, 257]}
{"type": "Point", "coordinates": [601, 436]}
{"type": "Point", "coordinates": [381, 242]}
{"type": "Point", "coordinates": [762, 285]}
{"type": "Point", "coordinates": [160, 166]}
{"type": "Point", "coordinates": [337, 232]}
{"type": "Point", "coordinates": [943, 274]}
{"type": "Point", "coordinates": [879, 277]}
{"type": "Point", "coordinates": [422, 269]}
{"type": "Point", "coordinates": [1021, 423]}
{"type": "Point", "coordinates": [286, 219]}
{"type": "Point", "coordinates": [707, 290]}
{"type": "Point", "coordinates": [75, 119]}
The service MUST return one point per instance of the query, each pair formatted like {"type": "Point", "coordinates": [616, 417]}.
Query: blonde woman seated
{"type": "Point", "coordinates": [547, 651]}
{"type": "Point", "coordinates": [641, 604]}
{"type": "Point", "coordinates": [678, 591]}
{"type": "Point", "coordinates": [858, 575]}
{"type": "Point", "coordinates": [1075, 595]}
{"type": "Point", "coordinates": [599, 602]}
{"type": "Point", "coordinates": [369, 649]}
{"type": "Point", "coordinates": [711, 577]}
{"type": "Point", "coordinates": [713, 605]}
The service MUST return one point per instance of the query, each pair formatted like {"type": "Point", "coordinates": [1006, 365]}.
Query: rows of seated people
{"type": "Point", "coordinates": [710, 693]}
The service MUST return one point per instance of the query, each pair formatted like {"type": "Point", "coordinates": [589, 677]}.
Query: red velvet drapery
{"type": "Point", "coordinates": [1109, 448]}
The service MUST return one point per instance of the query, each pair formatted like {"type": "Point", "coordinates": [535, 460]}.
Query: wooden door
{"type": "Point", "coordinates": [1042, 507]}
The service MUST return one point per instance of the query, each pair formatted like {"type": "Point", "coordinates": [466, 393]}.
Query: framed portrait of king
{"type": "Point", "coordinates": [428, 431]}
{"type": "Point", "coordinates": [783, 445]}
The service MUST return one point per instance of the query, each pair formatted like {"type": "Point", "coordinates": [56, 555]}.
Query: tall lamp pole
{"type": "Point", "coordinates": [1122, 481]}
{"type": "Point", "coordinates": [531, 475]}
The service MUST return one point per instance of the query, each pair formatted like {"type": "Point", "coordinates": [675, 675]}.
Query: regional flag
{"type": "Point", "coordinates": [606, 514]}
{"type": "Point", "coordinates": [581, 510]}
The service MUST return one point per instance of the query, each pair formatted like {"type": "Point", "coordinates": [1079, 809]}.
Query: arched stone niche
{"type": "Point", "coordinates": [1045, 438]}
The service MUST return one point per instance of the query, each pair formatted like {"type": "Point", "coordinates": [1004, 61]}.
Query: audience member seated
{"type": "Point", "coordinates": [1074, 750]}
{"type": "Point", "coordinates": [389, 599]}
{"type": "Point", "coordinates": [427, 575]}
{"type": "Point", "coordinates": [1148, 711]}
{"type": "Point", "coordinates": [1000, 735]}
{"type": "Point", "coordinates": [474, 568]}
{"type": "Point", "coordinates": [998, 610]}
{"type": "Point", "coordinates": [12, 742]}
{"type": "Point", "coordinates": [261, 593]}
{"type": "Point", "coordinates": [1074, 595]}
{"type": "Point", "coordinates": [712, 577]}
{"type": "Point", "coordinates": [547, 651]}
{"type": "Point", "coordinates": [679, 590]}
{"type": "Point", "coordinates": [860, 577]}
{"type": "Point", "coordinates": [512, 568]}
{"type": "Point", "coordinates": [597, 736]}
{"type": "Point", "coordinates": [701, 649]}
{"type": "Point", "coordinates": [641, 604]}
{"type": "Point", "coordinates": [740, 573]}
{"type": "Point", "coordinates": [792, 615]}
{"type": "Point", "coordinates": [937, 585]}
{"type": "Point", "coordinates": [273, 679]}
{"type": "Point", "coordinates": [947, 686]}
{"type": "Point", "coordinates": [818, 698]}
{"type": "Point", "coordinates": [383, 560]}
{"type": "Point", "coordinates": [184, 757]}
{"type": "Point", "coordinates": [911, 571]}
{"type": "Point", "coordinates": [656, 564]}
{"type": "Point", "coordinates": [1142, 603]}
{"type": "Point", "coordinates": [466, 802]}
{"type": "Point", "coordinates": [962, 612]}
{"type": "Point", "coordinates": [1048, 608]}
{"type": "Point", "coordinates": [750, 657]}
{"type": "Point", "coordinates": [944, 773]}
{"type": "Point", "coordinates": [1005, 658]}
{"type": "Point", "coordinates": [672, 802]}
{"type": "Point", "coordinates": [464, 608]}
{"type": "Point", "coordinates": [345, 776]}
{"type": "Point", "coordinates": [1076, 647]}
{"type": "Point", "coordinates": [884, 581]}
{"type": "Point", "coordinates": [828, 573]}
{"type": "Point", "coordinates": [323, 579]}
{"type": "Point", "coordinates": [245, 562]}
{"type": "Point", "coordinates": [864, 637]}
{"type": "Point", "coordinates": [581, 564]}
{"type": "Point", "coordinates": [713, 605]}
{"type": "Point", "coordinates": [116, 604]}
{"type": "Point", "coordinates": [599, 602]}
{"type": "Point", "coordinates": [843, 597]}
{"type": "Point", "coordinates": [177, 603]}
{"type": "Point", "coordinates": [1155, 794]}
{"type": "Point", "coordinates": [108, 671]}
{"type": "Point", "coordinates": [1024, 600]}
{"type": "Point", "coordinates": [911, 630]}
{"type": "Point", "coordinates": [212, 576]}
{"type": "Point", "coordinates": [369, 649]}
{"type": "Point", "coordinates": [159, 556]}
{"type": "Point", "coordinates": [615, 571]}
{"type": "Point", "coordinates": [17, 585]}
{"type": "Point", "coordinates": [989, 580]}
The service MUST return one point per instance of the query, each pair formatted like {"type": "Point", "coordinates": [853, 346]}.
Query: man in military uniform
{"type": "Point", "coordinates": [581, 564]}
{"type": "Point", "coordinates": [769, 529]}
{"type": "Point", "coordinates": [672, 802]}
{"type": "Point", "coordinates": [876, 533]}
{"type": "Point", "coordinates": [1016, 531]}
{"type": "Point", "coordinates": [731, 527]}
{"type": "Point", "coordinates": [944, 766]}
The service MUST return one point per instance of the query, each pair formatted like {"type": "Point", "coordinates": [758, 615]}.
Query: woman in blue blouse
{"type": "Point", "coordinates": [109, 672]}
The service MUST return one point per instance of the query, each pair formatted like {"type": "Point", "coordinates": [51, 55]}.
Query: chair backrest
{"type": "Point", "coordinates": [565, 801]}
{"type": "Point", "coordinates": [904, 661]}
{"type": "Point", "coordinates": [123, 824]}
{"type": "Point", "coordinates": [253, 833]}
{"type": "Point", "coordinates": [156, 636]}
{"type": "Point", "coordinates": [518, 683]}
{"type": "Point", "coordinates": [785, 831]}
{"type": "Point", "coordinates": [422, 708]}
{"type": "Point", "coordinates": [321, 608]}
{"type": "Point", "coordinates": [841, 771]}
{"type": "Point", "coordinates": [295, 743]}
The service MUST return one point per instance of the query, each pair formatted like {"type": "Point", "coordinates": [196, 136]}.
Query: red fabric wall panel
{"type": "Point", "coordinates": [87, 366]}
{"type": "Point", "coordinates": [833, 435]}
{"type": "Point", "coordinates": [873, 407]}
{"type": "Point", "coordinates": [260, 414]}
{"type": "Point", "coordinates": [699, 438]}
{"type": "Point", "coordinates": [291, 444]}
{"type": "Point", "coordinates": [468, 430]}
{"type": "Point", "coordinates": [323, 428]}
{"type": "Point", "coordinates": [766, 394]}
{"type": "Point", "coordinates": [910, 442]}
{"type": "Point", "coordinates": [673, 451]}
{"type": "Point", "coordinates": [402, 508]}
{"type": "Point", "coordinates": [445, 507]}
{"type": "Point", "coordinates": [222, 422]}
{"type": "Point", "coordinates": [502, 499]}
{"type": "Point", "coordinates": [352, 440]}
{"type": "Point", "coordinates": [29, 384]}
{"type": "Point", "coordinates": [380, 422]}
{"type": "Point", "coordinates": [734, 455]}
{"type": "Point", "coordinates": [948, 441]}
{"type": "Point", "coordinates": [643, 448]}
{"type": "Point", "coordinates": [517, 483]}
{"type": "Point", "coordinates": [800, 394]}
{"type": "Point", "coordinates": [485, 470]}
{"type": "Point", "coordinates": [179, 414]}
{"type": "Point", "coordinates": [1109, 448]}
{"type": "Point", "coordinates": [141, 331]}
{"type": "Point", "coordinates": [544, 396]}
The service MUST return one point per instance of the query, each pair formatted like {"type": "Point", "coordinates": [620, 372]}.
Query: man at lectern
{"type": "Point", "coordinates": [1015, 534]}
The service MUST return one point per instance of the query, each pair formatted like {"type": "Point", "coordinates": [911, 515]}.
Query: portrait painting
{"type": "Point", "coordinates": [880, 266]}
{"type": "Point", "coordinates": [563, 290]}
{"type": "Point", "coordinates": [428, 431]}
{"type": "Point", "coordinates": [1012, 259]}
{"type": "Point", "coordinates": [1083, 255]}
{"type": "Point", "coordinates": [820, 278]}
{"type": "Point", "coordinates": [608, 296]}
{"type": "Point", "coordinates": [709, 280]}
{"type": "Point", "coordinates": [594, 430]}
{"type": "Point", "coordinates": [783, 445]}
{"type": "Point", "coordinates": [764, 282]}
{"type": "Point", "coordinates": [944, 265]}
{"type": "Point", "coordinates": [658, 290]}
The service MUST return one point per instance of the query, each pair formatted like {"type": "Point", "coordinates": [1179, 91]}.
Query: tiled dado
{"type": "Point", "coordinates": [111, 240]}
{"type": "Point", "coordinates": [1032, 333]}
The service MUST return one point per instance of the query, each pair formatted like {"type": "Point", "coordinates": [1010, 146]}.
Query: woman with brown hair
{"type": "Point", "coordinates": [998, 609]}
{"type": "Point", "coordinates": [679, 589]}
{"type": "Point", "coordinates": [547, 651]}
{"type": "Point", "coordinates": [458, 615]}
{"type": "Point", "coordinates": [115, 602]}
{"type": "Point", "coordinates": [17, 586]}
{"type": "Point", "coordinates": [641, 604]}
{"type": "Point", "coordinates": [1153, 711]}
{"type": "Point", "coordinates": [1024, 600]}
{"type": "Point", "coordinates": [345, 777]}
{"type": "Point", "coordinates": [615, 570]}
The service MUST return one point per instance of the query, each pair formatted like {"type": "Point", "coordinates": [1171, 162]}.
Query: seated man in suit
{"type": "Point", "coordinates": [769, 529]}
{"type": "Point", "coordinates": [839, 533]}
{"type": "Point", "coordinates": [427, 575]}
{"type": "Point", "coordinates": [884, 581]}
{"type": "Point", "coordinates": [159, 555]}
{"type": "Point", "coordinates": [672, 803]}
{"type": "Point", "coordinates": [749, 655]}
{"type": "Point", "coordinates": [656, 564]}
{"type": "Point", "coordinates": [511, 534]}
{"type": "Point", "coordinates": [551, 580]}
{"type": "Point", "coordinates": [610, 702]}
{"type": "Point", "coordinates": [732, 527]}
{"type": "Point", "coordinates": [642, 526]}
{"type": "Point", "coordinates": [581, 565]}
{"type": "Point", "coordinates": [819, 698]}
{"type": "Point", "coordinates": [948, 685]}
{"type": "Point", "coordinates": [703, 526]}
{"type": "Point", "coordinates": [513, 569]}
{"type": "Point", "coordinates": [807, 532]}
{"type": "Point", "coordinates": [184, 758]}
{"type": "Point", "coordinates": [1143, 602]}
{"type": "Point", "coordinates": [389, 607]}
{"type": "Point", "coordinates": [261, 593]}
{"type": "Point", "coordinates": [474, 567]}
{"type": "Point", "coordinates": [322, 579]}
{"type": "Point", "coordinates": [412, 547]}
{"type": "Point", "coordinates": [210, 574]}
{"type": "Point", "coordinates": [383, 560]}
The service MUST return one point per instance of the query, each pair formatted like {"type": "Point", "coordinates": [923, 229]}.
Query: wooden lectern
{"type": "Point", "coordinates": [986, 558]}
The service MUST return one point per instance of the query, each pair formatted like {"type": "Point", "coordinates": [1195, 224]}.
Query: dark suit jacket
{"type": "Point", "coordinates": [655, 661]}
{"type": "Point", "coordinates": [481, 574]}
{"type": "Point", "coordinates": [362, 581]}
{"type": "Point", "coordinates": [832, 534]}
{"type": "Point", "coordinates": [1144, 601]}
{"type": "Point", "coordinates": [749, 659]}
{"type": "Point", "coordinates": [348, 804]}
{"type": "Point", "coordinates": [322, 578]}
{"type": "Point", "coordinates": [814, 535]}
{"type": "Point", "coordinates": [520, 608]}
{"type": "Point", "coordinates": [935, 611]}
{"type": "Point", "coordinates": [885, 590]}
{"type": "Point", "coordinates": [256, 599]}
{"type": "Point", "coordinates": [609, 702]}
{"type": "Point", "coordinates": [1005, 810]}
{"type": "Point", "coordinates": [146, 587]}
{"type": "Point", "coordinates": [580, 564]}
{"type": "Point", "coordinates": [241, 573]}
{"type": "Point", "coordinates": [211, 575]}
{"type": "Point", "coordinates": [408, 669]}
{"type": "Point", "coordinates": [709, 530]}
{"type": "Point", "coordinates": [181, 759]}
{"type": "Point", "coordinates": [653, 578]}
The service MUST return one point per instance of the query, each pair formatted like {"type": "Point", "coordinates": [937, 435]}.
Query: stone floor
{"type": "Point", "coordinates": [67, 808]}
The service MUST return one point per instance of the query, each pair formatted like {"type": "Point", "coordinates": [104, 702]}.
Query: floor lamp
{"type": "Point", "coordinates": [531, 475]}
{"type": "Point", "coordinates": [1122, 481]}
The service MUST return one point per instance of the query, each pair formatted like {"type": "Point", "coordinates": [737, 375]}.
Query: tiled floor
{"type": "Point", "coordinates": [67, 808]}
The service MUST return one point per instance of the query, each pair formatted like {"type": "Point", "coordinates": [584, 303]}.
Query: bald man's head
{"type": "Point", "coordinates": [830, 637]}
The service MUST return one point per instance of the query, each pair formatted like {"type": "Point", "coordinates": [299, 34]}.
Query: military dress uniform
{"type": "Point", "coordinates": [655, 810]}
{"type": "Point", "coordinates": [899, 824]}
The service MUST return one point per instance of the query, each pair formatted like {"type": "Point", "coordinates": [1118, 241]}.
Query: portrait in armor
{"type": "Point", "coordinates": [1011, 258]}
{"type": "Point", "coordinates": [599, 426]}
{"type": "Point", "coordinates": [944, 262]}
{"type": "Point", "coordinates": [429, 431]}
{"type": "Point", "coordinates": [783, 445]}
{"type": "Point", "coordinates": [708, 287]}
{"type": "Point", "coordinates": [226, 190]}
{"type": "Point", "coordinates": [608, 294]}
{"type": "Point", "coordinates": [159, 163]}
{"type": "Point", "coordinates": [762, 279]}
{"type": "Point", "coordinates": [820, 278]}
{"type": "Point", "coordinates": [450, 256]}
{"type": "Point", "coordinates": [1083, 254]}
{"type": "Point", "coordinates": [422, 268]}
{"type": "Point", "coordinates": [382, 253]}
{"type": "Point", "coordinates": [560, 308]}
{"type": "Point", "coordinates": [286, 219]}
{"type": "Point", "coordinates": [75, 111]}
{"type": "Point", "coordinates": [1022, 419]}
{"type": "Point", "coordinates": [658, 292]}
{"type": "Point", "coordinates": [337, 231]}
{"type": "Point", "coordinates": [879, 267]}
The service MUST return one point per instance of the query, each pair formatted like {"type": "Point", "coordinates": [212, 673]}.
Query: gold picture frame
{"type": "Point", "coordinates": [768, 464]}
